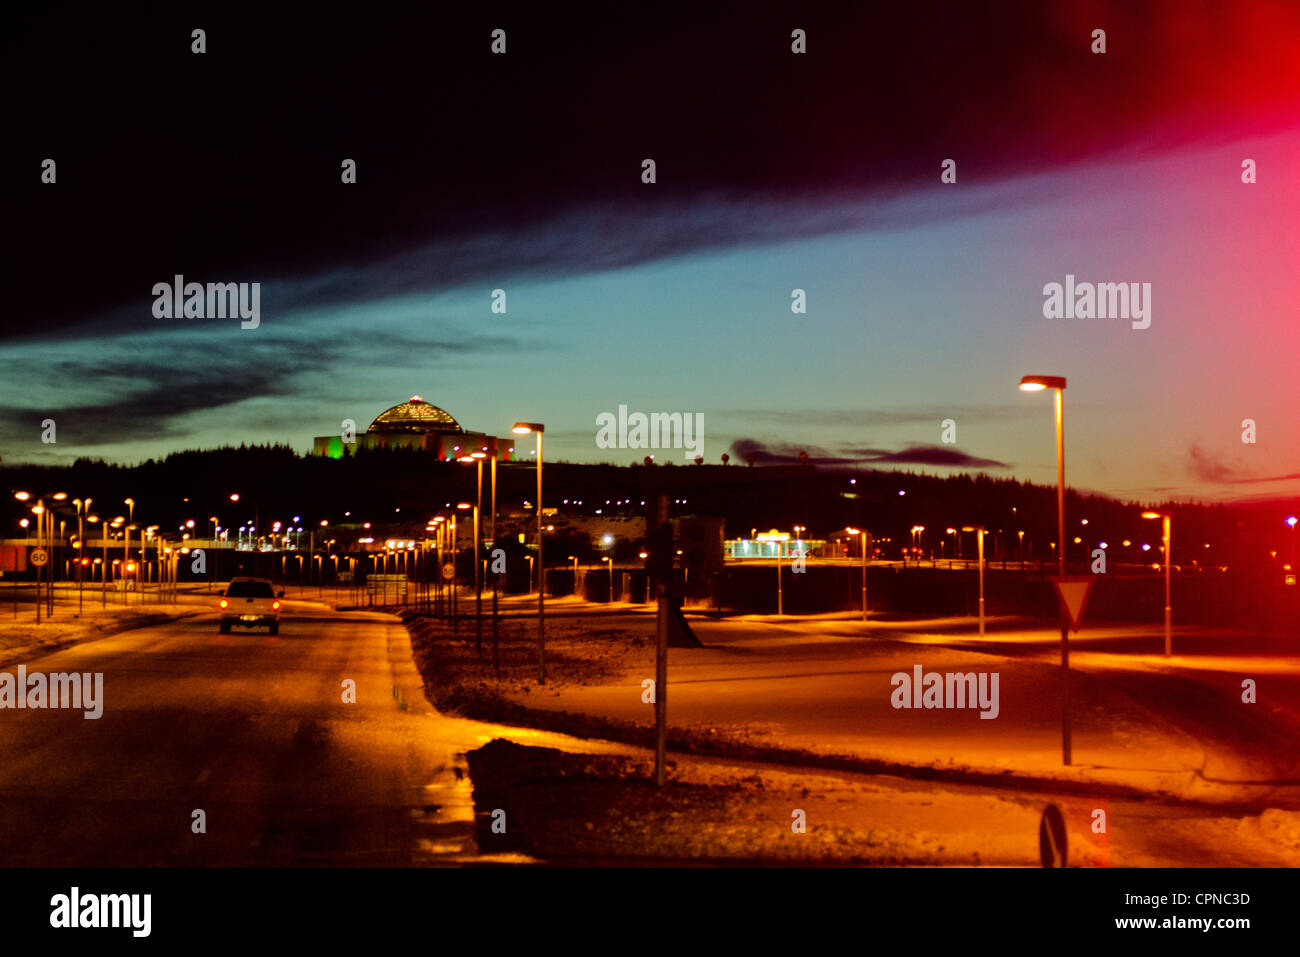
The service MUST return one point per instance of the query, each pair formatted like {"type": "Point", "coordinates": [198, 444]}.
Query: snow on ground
{"type": "Point", "coordinates": [813, 696]}
{"type": "Point", "coordinates": [21, 637]}
{"type": "Point", "coordinates": [798, 687]}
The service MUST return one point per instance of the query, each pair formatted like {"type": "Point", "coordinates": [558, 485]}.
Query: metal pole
{"type": "Point", "coordinates": [661, 655]}
{"type": "Point", "coordinates": [1060, 557]}
{"type": "Point", "coordinates": [478, 565]}
{"type": "Point", "coordinates": [864, 576]}
{"type": "Point", "coordinates": [780, 607]}
{"type": "Point", "coordinates": [1169, 605]}
{"type": "Point", "coordinates": [541, 575]}
{"type": "Point", "coordinates": [81, 542]}
{"type": "Point", "coordinates": [40, 530]}
{"type": "Point", "coordinates": [496, 578]}
{"type": "Point", "coordinates": [980, 532]}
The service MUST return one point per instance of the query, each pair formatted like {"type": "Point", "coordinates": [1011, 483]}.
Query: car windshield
{"type": "Point", "coordinates": [250, 590]}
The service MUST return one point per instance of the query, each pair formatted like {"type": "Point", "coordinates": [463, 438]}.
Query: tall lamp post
{"type": "Point", "coordinates": [478, 588]}
{"type": "Point", "coordinates": [83, 508]}
{"type": "Point", "coordinates": [1169, 608]}
{"type": "Point", "coordinates": [126, 546]}
{"type": "Point", "coordinates": [524, 428]}
{"type": "Point", "coordinates": [492, 537]}
{"type": "Point", "coordinates": [216, 530]}
{"type": "Point", "coordinates": [981, 531]}
{"type": "Point", "coordinates": [1037, 383]}
{"type": "Point", "coordinates": [477, 459]}
{"type": "Point", "coordinates": [863, 534]}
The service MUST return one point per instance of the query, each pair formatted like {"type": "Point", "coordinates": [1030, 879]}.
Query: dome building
{"type": "Point", "coordinates": [414, 424]}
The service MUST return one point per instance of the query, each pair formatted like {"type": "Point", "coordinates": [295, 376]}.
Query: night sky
{"type": "Point", "coordinates": [775, 171]}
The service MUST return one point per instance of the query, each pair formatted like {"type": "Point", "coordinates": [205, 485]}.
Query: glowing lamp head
{"type": "Point", "coordinates": [1037, 383]}
{"type": "Point", "coordinates": [523, 428]}
{"type": "Point", "coordinates": [1291, 520]}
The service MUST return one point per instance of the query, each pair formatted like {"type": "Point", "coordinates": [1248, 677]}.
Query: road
{"type": "Point", "coordinates": [253, 731]}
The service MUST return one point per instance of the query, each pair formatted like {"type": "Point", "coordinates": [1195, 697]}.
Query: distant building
{"type": "Point", "coordinates": [416, 424]}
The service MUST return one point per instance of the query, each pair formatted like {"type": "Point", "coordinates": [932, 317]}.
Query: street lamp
{"type": "Point", "coordinates": [524, 428]}
{"type": "Point", "coordinates": [130, 520]}
{"type": "Point", "coordinates": [610, 560]}
{"type": "Point", "coordinates": [83, 507]}
{"type": "Point", "coordinates": [39, 511]}
{"type": "Point", "coordinates": [982, 531]}
{"type": "Point", "coordinates": [863, 533]}
{"type": "Point", "coordinates": [1037, 383]}
{"type": "Point", "coordinates": [1169, 611]}
{"type": "Point", "coordinates": [1291, 520]}
{"type": "Point", "coordinates": [477, 458]}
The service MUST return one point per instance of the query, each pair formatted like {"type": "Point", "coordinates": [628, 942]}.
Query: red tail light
{"type": "Point", "coordinates": [275, 605]}
{"type": "Point", "coordinates": [224, 603]}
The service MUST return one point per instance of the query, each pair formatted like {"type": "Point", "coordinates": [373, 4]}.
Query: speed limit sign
{"type": "Point", "coordinates": [448, 572]}
{"type": "Point", "coordinates": [39, 557]}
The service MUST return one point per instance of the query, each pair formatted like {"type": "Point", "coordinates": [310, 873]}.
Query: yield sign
{"type": "Point", "coordinates": [1073, 592]}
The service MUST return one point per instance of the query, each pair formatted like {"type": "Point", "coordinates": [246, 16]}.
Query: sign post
{"type": "Point", "coordinates": [38, 557]}
{"type": "Point", "coordinates": [1073, 592]}
{"type": "Point", "coordinates": [1051, 837]}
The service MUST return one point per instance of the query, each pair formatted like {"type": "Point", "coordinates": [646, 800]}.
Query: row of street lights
{"type": "Point", "coordinates": [476, 458]}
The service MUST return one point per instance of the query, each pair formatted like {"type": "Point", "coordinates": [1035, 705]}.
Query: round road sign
{"type": "Point", "coordinates": [448, 572]}
{"type": "Point", "coordinates": [39, 557]}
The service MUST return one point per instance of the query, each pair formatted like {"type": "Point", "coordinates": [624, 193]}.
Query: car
{"type": "Point", "coordinates": [250, 603]}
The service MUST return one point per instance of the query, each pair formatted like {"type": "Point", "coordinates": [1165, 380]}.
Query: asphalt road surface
{"type": "Point", "coordinates": [254, 732]}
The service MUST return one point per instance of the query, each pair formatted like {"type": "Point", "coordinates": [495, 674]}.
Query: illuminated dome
{"type": "Point", "coordinates": [414, 415]}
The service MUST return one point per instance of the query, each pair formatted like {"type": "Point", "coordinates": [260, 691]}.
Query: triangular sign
{"type": "Point", "coordinates": [1073, 593]}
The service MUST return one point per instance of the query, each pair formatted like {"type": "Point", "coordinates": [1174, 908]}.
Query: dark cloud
{"type": "Point", "coordinates": [913, 454]}
{"type": "Point", "coordinates": [866, 418]}
{"type": "Point", "coordinates": [148, 395]}
{"type": "Point", "coordinates": [1208, 467]}
{"type": "Point", "coordinates": [225, 166]}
